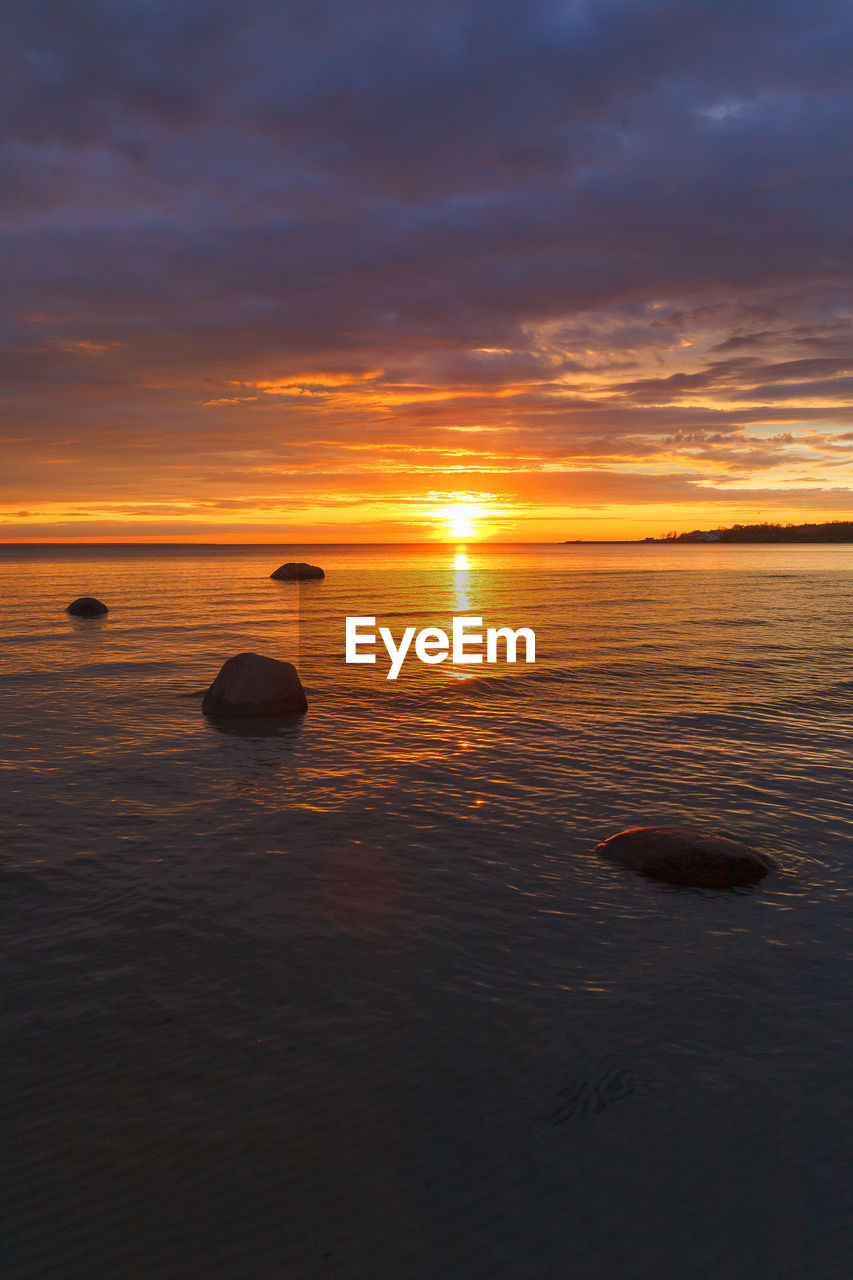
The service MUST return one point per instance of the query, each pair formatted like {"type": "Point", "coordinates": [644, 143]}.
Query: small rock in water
{"type": "Point", "coordinates": [683, 855]}
{"type": "Point", "coordinates": [297, 572]}
{"type": "Point", "coordinates": [87, 607]}
{"type": "Point", "coordinates": [251, 685]}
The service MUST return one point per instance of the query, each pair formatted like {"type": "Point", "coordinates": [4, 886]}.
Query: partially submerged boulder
{"type": "Point", "coordinates": [87, 607]}
{"type": "Point", "coordinates": [683, 855]}
{"type": "Point", "coordinates": [251, 685]}
{"type": "Point", "coordinates": [295, 571]}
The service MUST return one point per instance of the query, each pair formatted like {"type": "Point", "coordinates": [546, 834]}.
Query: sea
{"type": "Point", "coordinates": [352, 996]}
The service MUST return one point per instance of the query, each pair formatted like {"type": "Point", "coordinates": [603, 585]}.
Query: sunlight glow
{"type": "Point", "coordinates": [461, 519]}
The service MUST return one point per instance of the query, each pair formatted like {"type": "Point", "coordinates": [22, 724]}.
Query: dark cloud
{"type": "Point", "coordinates": [748, 379]}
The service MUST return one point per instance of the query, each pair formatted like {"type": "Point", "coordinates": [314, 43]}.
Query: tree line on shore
{"type": "Point", "coordinates": [831, 531]}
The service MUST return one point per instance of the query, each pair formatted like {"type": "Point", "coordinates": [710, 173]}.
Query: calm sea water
{"type": "Point", "coordinates": [352, 997]}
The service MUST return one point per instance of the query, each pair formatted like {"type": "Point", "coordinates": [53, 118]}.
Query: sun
{"type": "Point", "coordinates": [462, 519]}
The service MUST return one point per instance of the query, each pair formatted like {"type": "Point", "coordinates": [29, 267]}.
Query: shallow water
{"type": "Point", "coordinates": [352, 996]}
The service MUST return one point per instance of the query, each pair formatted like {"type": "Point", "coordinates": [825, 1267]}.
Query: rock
{"type": "Point", "coordinates": [251, 685]}
{"type": "Point", "coordinates": [683, 855]}
{"type": "Point", "coordinates": [293, 572]}
{"type": "Point", "coordinates": [87, 607]}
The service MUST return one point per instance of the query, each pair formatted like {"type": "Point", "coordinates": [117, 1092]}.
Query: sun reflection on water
{"type": "Point", "coordinates": [461, 582]}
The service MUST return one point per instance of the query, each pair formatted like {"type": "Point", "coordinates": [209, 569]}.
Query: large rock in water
{"type": "Point", "coordinates": [251, 685]}
{"type": "Point", "coordinates": [297, 572]}
{"type": "Point", "coordinates": [87, 607]}
{"type": "Point", "coordinates": [683, 855]}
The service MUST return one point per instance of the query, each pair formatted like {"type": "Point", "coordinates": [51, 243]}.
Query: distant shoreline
{"type": "Point", "coordinates": [736, 542]}
{"type": "Point", "coordinates": [838, 533]}
{"type": "Point", "coordinates": [830, 531]}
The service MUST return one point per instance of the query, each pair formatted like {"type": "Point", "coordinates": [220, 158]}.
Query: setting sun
{"type": "Point", "coordinates": [461, 519]}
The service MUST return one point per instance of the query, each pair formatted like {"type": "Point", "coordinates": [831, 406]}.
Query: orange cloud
{"type": "Point", "coordinates": [313, 378]}
{"type": "Point", "coordinates": [85, 346]}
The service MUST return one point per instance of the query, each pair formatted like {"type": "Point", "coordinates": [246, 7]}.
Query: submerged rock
{"type": "Point", "coordinates": [297, 572]}
{"type": "Point", "coordinates": [87, 607]}
{"type": "Point", "coordinates": [251, 685]}
{"type": "Point", "coordinates": [683, 855]}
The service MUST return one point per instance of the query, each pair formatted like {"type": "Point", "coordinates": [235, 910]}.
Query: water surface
{"type": "Point", "coordinates": [353, 996]}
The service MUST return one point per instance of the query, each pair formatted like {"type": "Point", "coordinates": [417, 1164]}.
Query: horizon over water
{"type": "Point", "coordinates": [352, 996]}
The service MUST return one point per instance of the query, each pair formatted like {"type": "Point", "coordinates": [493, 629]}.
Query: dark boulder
{"type": "Point", "coordinates": [87, 607]}
{"type": "Point", "coordinates": [683, 855]}
{"type": "Point", "coordinates": [297, 572]}
{"type": "Point", "coordinates": [251, 685]}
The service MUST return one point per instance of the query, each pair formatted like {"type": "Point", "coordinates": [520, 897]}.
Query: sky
{"type": "Point", "coordinates": [381, 270]}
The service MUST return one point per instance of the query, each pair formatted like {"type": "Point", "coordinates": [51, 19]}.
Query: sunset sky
{"type": "Point", "coordinates": [377, 270]}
